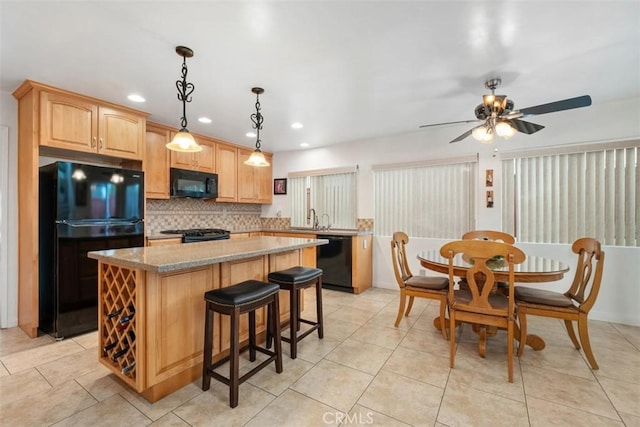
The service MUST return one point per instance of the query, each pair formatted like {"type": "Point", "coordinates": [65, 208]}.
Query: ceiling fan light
{"type": "Point", "coordinates": [479, 132]}
{"type": "Point", "coordinates": [488, 138]}
{"type": "Point", "coordinates": [184, 142]}
{"type": "Point", "coordinates": [256, 159]}
{"type": "Point", "coordinates": [505, 130]}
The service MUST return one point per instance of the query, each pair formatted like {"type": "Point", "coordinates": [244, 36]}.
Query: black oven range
{"type": "Point", "coordinates": [192, 235]}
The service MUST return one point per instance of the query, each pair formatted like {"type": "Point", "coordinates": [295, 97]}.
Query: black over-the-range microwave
{"type": "Point", "coordinates": [186, 183]}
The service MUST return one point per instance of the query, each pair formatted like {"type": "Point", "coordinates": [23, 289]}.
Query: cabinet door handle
{"type": "Point", "coordinates": [93, 142]}
{"type": "Point", "coordinates": [100, 146]}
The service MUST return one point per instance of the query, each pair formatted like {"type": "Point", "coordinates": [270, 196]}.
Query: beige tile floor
{"type": "Point", "coordinates": [364, 372]}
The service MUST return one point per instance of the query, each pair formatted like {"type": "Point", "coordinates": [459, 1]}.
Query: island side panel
{"type": "Point", "coordinates": [232, 273]}
{"type": "Point", "coordinates": [175, 312]}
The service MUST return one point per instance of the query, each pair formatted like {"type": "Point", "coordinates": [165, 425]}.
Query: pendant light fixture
{"type": "Point", "coordinates": [183, 141]}
{"type": "Point", "coordinates": [257, 157]}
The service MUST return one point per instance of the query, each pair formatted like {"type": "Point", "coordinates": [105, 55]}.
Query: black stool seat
{"type": "Point", "coordinates": [295, 279]}
{"type": "Point", "coordinates": [295, 275]}
{"type": "Point", "coordinates": [244, 297]}
{"type": "Point", "coordinates": [242, 293]}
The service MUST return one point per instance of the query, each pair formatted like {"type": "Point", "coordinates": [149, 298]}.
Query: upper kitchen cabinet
{"type": "Point", "coordinates": [227, 170]}
{"type": "Point", "coordinates": [156, 165]}
{"type": "Point", "coordinates": [77, 123]}
{"type": "Point", "coordinates": [254, 183]}
{"type": "Point", "coordinates": [202, 161]}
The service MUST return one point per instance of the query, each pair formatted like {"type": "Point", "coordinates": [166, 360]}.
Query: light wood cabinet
{"type": "Point", "coordinates": [74, 123]}
{"type": "Point", "coordinates": [156, 165]}
{"type": "Point", "coordinates": [254, 183]}
{"type": "Point", "coordinates": [167, 241]}
{"type": "Point", "coordinates": [227, 170]}
{"type": "Point", "coordinates": [202, 161]}
{"type": "Point", "coordinates": [361, 262]}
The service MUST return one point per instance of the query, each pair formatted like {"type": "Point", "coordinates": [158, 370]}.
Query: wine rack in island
{"type": "Point", "coordinates": [119, 343]}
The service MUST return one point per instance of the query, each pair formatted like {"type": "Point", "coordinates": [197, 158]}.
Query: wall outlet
{"type": "Point", "coordinates": [423, 272]}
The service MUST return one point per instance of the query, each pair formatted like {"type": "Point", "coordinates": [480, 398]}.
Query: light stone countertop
{"type": "Point", "coordinates": [161, 259]}
{"type": "Point", "coordinates": [306, 231]}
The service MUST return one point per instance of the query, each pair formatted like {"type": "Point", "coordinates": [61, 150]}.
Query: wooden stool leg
{"type": "Point", "coordinates": [234, 365]}
{"type": "Point", "coordinates": [299, 296]}
{"type": "Point", "coordinates": [293, 321]}
{"type": "Point", "coordinates": [252, 336]}
{"type": "Point", "coordinates": [208, 348]}
{"type": "Point", "coordinates": [274, 319]}
{"type": "Point", "coordinates": [319, 308]}
{"type": "Point", "coordinates": [270, 329]}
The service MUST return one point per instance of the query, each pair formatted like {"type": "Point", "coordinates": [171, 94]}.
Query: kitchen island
{"type": "Point", "coordinates": [151, 305]}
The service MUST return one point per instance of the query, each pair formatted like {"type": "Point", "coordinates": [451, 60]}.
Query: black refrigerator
{"type": "Point", "coordinates": [82, 208]}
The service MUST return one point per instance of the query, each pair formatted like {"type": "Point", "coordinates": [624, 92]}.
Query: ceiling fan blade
{"type": "Point", "coordinates": [565, 104]}
{"type": "Point", "coordinates": [449, 123]}
{"type": "Point", "coordinates": [461, 137]}
{"type": "Point", "coordinates": [525, 127]}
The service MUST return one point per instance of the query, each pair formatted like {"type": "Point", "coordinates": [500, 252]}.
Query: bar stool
{"type": "Point", "coordinates": [244, 297]}
{"type": "Point", "coordinates": [295, 279]}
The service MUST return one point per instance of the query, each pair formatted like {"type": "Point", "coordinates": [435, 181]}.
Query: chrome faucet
{"type": "Point", "coordinates": [314, 217]}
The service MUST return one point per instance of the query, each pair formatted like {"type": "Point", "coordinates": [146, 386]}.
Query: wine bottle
{"type": "Point", "coordinates": [126, 319]}
{"type": "Point", "coordinates": [114, 313]}
{"type": "Point", "coordinates": [128, 368]}
{"type": "Point", "coordinates": [110, 346]}
{"type": "Point", "coordinates": [120, 353]}
{"type": "Point", "coordinates": [132, 336]}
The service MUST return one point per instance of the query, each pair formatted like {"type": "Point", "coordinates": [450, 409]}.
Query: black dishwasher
{"type": "Point", "coordinates": [335, 261]}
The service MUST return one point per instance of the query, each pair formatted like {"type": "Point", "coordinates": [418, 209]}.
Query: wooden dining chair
{"type": "Point", "coordinates": [574, 304]}
{"type": "Point", "coordinates": [496, 236]}
{"type": "Point", "coordinates": [479, 304]}
{"type": "Point", "coordinates": [416, 286]}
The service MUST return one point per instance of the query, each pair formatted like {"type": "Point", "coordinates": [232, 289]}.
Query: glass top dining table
{"type": "Point", "coordinates": [533, 269]}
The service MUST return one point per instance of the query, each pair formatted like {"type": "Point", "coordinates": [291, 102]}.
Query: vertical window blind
{"type": "Point", "coordinates": [425, 200]}
{"type": "Point", "coordinates": [561, 197]}
{"type": "Point", "coordinates": [333, 194]}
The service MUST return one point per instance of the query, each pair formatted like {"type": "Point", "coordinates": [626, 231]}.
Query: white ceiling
{"type": "Point", "coordinates": [346, 70]}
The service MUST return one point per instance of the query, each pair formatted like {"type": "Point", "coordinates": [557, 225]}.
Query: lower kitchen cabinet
{"type": "Point", "coordinates": [161, 242]}
{"type": "Point", "coordinates": [360, 257]}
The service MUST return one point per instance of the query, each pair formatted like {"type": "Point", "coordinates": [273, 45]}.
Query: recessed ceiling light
{"type": "Point", "coordinates": [204, 120]}
{"type": "Point", "coordinates": [304, 144]}
{"type": "Point", "coordinates": [297, 125]}
{"type": "Point", "coordinates": [136, 98]}
{"type": "Point", "coordinates": [251, 134]}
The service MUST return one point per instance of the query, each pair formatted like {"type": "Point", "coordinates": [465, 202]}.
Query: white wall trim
{"type": "Point", "coordinates": [4, 227]}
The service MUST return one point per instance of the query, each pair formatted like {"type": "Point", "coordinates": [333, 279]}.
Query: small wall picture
{"type": "Point", "coordinates": [280, 186]}
{"type": "Point", "coordinates": [489, 199]}
{"type": "Point", "coordinates": [489, 178]}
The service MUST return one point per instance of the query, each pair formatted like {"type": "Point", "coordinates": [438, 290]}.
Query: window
{"type": "Point", "coordinates": [330, 192]}
{"type": "Point", "coordinates": [429, 199]}
{"type": "Point", "coordinates": [561, 196]}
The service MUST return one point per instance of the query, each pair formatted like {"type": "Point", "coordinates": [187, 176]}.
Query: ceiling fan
{"type": "Point", "coordinates": [499, 117]}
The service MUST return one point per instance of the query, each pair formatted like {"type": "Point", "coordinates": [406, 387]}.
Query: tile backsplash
{"type": "Point", "coordinates": [196, 213]}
